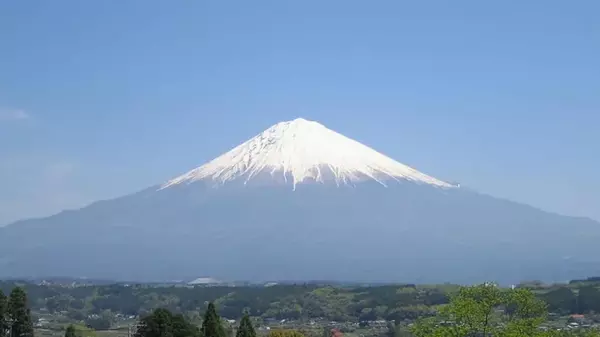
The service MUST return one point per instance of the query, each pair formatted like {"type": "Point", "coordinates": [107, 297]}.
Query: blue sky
{"type": "Point", "coordinates": [103, 98]}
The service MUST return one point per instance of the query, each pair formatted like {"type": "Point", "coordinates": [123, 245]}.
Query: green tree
{"type": "Point", "coordinates": [184, 328]}
{"type": "Point", "coordinates": [70, 332]}
{"type": "Point", "coordinates": [485, 310]}
{"type": "Point", "coordinates": [561, 300]}
{"type": "Point", "coordinates": [245, 329]}
{"type": "Point", "coordinates": [3, 314]}
{"type": "Point", "coordinates": [211, 323]}
{"type": "Point", "coordinates": [162, 323]}
{"type": "Point", "coordinates": [19, 314]}
{"type": "Point", "coordinates": [588, 299]}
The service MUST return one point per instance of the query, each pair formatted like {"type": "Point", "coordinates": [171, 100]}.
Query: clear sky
{"type": "Point", "coordinates": [103, 98]}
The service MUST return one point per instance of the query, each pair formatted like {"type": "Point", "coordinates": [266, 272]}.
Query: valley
{"type": "Point", "coordinates": [114, 309]}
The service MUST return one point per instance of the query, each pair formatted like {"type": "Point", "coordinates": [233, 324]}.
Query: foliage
{"type": "Point", "coordinates": [395, 302]}
{"type": "Point", "coordinates": [19, 313]}
{"type": "Point", "coordinates": [561, 300]}
{"type": "Point", "coordinates": [211, 324]}
{"type": "Point", "coordinates": [588, 299]}
{"type": "Point", "coordinates": [162, 323]}
{"type": "Point", "coordinates": [402, 303]}
{"type": "Point", "coordinates": [245, 329]}
{"type": "Point", "coordinates": [486, 310]}
{"type": "Point", "coordinates": [3, 314]}
{"type": "Point", "coordinates": [70, 332]}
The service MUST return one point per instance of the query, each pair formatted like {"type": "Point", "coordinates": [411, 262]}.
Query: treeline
{"type": "Point", "coordinates": [163, 323]}
{"type": "Point", "coordinates": [487, 310]}
{"type": "Point", "coordinates": [398, 302]}
{"type": "Point", "coordinates": [15, 316]}
{"type": "Point", "coordinates": [279, 301]}
{"type": "Point", "coordinates": [483, 311]}
{"type": "Point", "coordinates": [565, 300]}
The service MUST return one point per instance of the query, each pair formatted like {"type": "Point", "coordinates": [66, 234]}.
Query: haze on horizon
{"type": "Point", "coordinates": [100, 99]}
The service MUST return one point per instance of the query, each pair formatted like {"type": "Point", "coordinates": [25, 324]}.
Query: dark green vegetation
{"type": "Point", "coordinates": [245, 329]}
{"type": "Point", "coordinates": [392, 310]}
{"type": "Point", "coordinates": [279, 302]}
{"type": "Point", "coordinates": [162, 323]}
{"type": "Point", "coordinates": [70, 332]}
{"type": "Point", "coordinates": [486, 310]}
{"type": "Point", "coordinates": [15, 316]}
{"type": "Point", "coordinates": [397, 302]}
{"type": "Point", "coordinates": [211, 323]}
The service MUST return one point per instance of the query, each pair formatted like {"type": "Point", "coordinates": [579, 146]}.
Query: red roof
{"type": "Point", "coordinates": [336, 333]}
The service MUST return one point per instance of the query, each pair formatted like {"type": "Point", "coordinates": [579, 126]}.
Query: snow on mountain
{"type": "Point", "coordinates": [422, 232]}
{"type": "Point", "coordinates": [300, 151]}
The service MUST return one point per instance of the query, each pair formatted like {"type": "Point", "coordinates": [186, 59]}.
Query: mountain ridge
{"type": "Point", "coordinates": [261, 229]}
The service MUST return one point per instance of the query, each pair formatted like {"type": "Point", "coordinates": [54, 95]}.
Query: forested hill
{"type": "Point", "coordinates": [390, 302]}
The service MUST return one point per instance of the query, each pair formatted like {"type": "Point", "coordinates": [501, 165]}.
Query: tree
{"type": "Point", "coordinates": [3, 315]}
{"type": "Point", "coordinates": [162, 323]}
{"type": "Point", "coordinates": [561, 300]}
{"type": "Point", "coordinates": [588, 299]}
{"type": "Point", "coordinates": [184, 328]}
{"type": "Point", "coordinates": [19, 314]}
{"type": "Point", "coordinates": [485, 310]}
{"type": "Point", "coordinates": [245, 329]}
{"type": "Point", "coordinates": [70, 332]}
{"type": "Point", "coordinates": [211, 324]}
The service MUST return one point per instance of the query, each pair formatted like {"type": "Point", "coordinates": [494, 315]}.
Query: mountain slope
{"type": "Point", "coordinates": [302, 151]}
{"type": "Point", "coordinates": [224, 221]}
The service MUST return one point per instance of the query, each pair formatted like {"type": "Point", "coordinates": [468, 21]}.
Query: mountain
{"type": "Point", "coordinates": [303, 151]}
{"type": "Point", "coordinates": [302, 202]}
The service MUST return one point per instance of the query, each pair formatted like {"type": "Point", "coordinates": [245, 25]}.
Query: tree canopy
{"type": "Point", "coordinates": [245, 329]}
{"type": "Point", "coordinates": [19, 314]}
{"type": "Point", "coordinates": [70, 331]}
{"type": "Point", "coordinates": [211, 323]}
{"type": "Point", "coordinates": [162, 323]}
{"type": "Point", "coordinates": [3, 314]}
{"type": "Point", "coordinates": [486, 310]}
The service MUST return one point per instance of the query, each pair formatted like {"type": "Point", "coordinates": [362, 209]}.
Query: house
{"type": "Point", "coordinates": [577, 318]}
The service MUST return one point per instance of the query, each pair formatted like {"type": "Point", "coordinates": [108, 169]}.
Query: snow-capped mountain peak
{"type": "Point", "coordinates": [300, 151]}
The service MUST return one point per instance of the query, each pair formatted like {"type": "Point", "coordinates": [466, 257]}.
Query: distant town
{"type": "Point", "coordinates": [102, 307]}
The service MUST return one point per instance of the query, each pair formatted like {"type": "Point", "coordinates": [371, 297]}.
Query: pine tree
{"type": "Point", "coordinates": [162, 323]}
{"type": "Point", "coordinates": [3, 315]}
{"type": "Point", "coordinates": [70, 332]}
{"type": "Point", "coordinates": [211, 324]}
{"type": "Point", "coordinates": [245, 329]}
{"type": "Point", "coordinates": [157, 324]}
{"type": "Point", "coordinates": [19, 314]}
